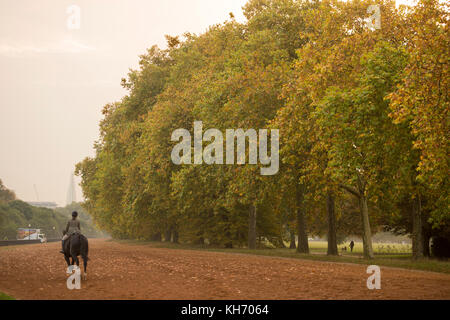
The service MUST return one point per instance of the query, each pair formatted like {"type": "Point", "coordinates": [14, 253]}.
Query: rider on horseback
{"type": "Point", "coordinates": [73, 226]}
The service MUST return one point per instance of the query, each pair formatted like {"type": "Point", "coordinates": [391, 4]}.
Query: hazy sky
{"type": "Point", "coordinates": [54, 80]}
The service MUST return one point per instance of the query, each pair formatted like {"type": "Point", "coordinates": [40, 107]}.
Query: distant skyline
{"type": "Point", "coordinates": [55, 80]}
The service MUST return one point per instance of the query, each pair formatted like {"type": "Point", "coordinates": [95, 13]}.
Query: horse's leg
{"type": "Point", "coordinates": [85, 259]}
{"type": "Point", "coordinates": [74, 257]}
{"type": "Point", "coordinates": [84, 249]}
{"type": "Point", "coordinates": [67, 260]}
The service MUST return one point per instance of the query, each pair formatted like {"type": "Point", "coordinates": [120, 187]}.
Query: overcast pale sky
{"type": "Point", "coordinates": [54, 80]}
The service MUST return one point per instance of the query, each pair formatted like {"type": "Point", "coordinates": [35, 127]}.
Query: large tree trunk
{"type": "Point", "coordinates": [332, 240]}
{"type": "Point", "coordinates": [279, 242]}
{"type": "Point", "coordinates": [252, 227]}
{"type": "Point", "coordinates": [156, 236]}
{"type": "Point", "coordinates": [175, 236]}
{"type": "Point", "coordinates": [292, 242]}
{"type": "Point", "coordinates": [367, 234]}
{"type": "Point", "coordinates": [364, 212]}
{"type": "Point", "coordinates": [168, 235]}
{"type": "Point", "coordinates": [301, 223]}
{"type": "Point", "coordinates": [426, 244]}
{"type": "Point", "coordinates": [417, 229]}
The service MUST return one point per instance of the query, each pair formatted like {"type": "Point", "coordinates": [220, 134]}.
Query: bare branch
{"type": "Point", "coordinates": [350, 189]}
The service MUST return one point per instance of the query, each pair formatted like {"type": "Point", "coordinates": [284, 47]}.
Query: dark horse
{"type": "Point", "coordinates": [76, 245]}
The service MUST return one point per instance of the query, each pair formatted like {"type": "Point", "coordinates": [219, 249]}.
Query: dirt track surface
{"type": "Point", "coordinates": [120, 271]}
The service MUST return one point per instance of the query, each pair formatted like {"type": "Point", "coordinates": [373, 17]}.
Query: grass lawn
{"type": "Point", "coordinates": [398, 255]}
{"type": "Point", "coordinates": [4, 296]}
{"type": "Point", "coordinates": [378, 248]}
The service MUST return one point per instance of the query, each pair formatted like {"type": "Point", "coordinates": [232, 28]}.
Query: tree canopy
{"type": "Point", "coordinates": [362, 115]}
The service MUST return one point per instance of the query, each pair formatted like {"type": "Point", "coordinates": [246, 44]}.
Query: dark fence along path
{"type": "Point", "coordinates": [18, 242]}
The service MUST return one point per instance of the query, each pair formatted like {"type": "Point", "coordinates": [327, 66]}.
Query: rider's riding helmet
{"type": "Point", "coordinates": [74, 214]}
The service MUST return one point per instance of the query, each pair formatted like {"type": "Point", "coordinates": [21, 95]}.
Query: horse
{"type": "Point", "coordinates": [75, 245]}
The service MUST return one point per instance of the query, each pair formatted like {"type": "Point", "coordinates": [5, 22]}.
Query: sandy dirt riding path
{"type": "Point", "coordinates": [121, 271]}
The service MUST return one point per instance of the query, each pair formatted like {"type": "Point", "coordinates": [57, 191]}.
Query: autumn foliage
{"type": "Point", "coordinates": [362, 114]}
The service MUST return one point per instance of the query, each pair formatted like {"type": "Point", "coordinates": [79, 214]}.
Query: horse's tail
{"type": "Point", "coordinates": [84, 247]}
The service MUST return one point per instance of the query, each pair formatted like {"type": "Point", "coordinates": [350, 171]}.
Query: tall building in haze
{"type": "Point", "coordinates": [71, 195]}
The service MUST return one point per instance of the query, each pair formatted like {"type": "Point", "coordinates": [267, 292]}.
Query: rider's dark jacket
{"type": "Point", "coordinates": [72, 227]}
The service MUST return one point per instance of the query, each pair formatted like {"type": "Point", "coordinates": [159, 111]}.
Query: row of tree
{"type": "Point", "coordinates": [15, 214]}
{"type": "Point", "coordinates": [18, 214]}
{"type": "Point", "coordinates": [363, 121]}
